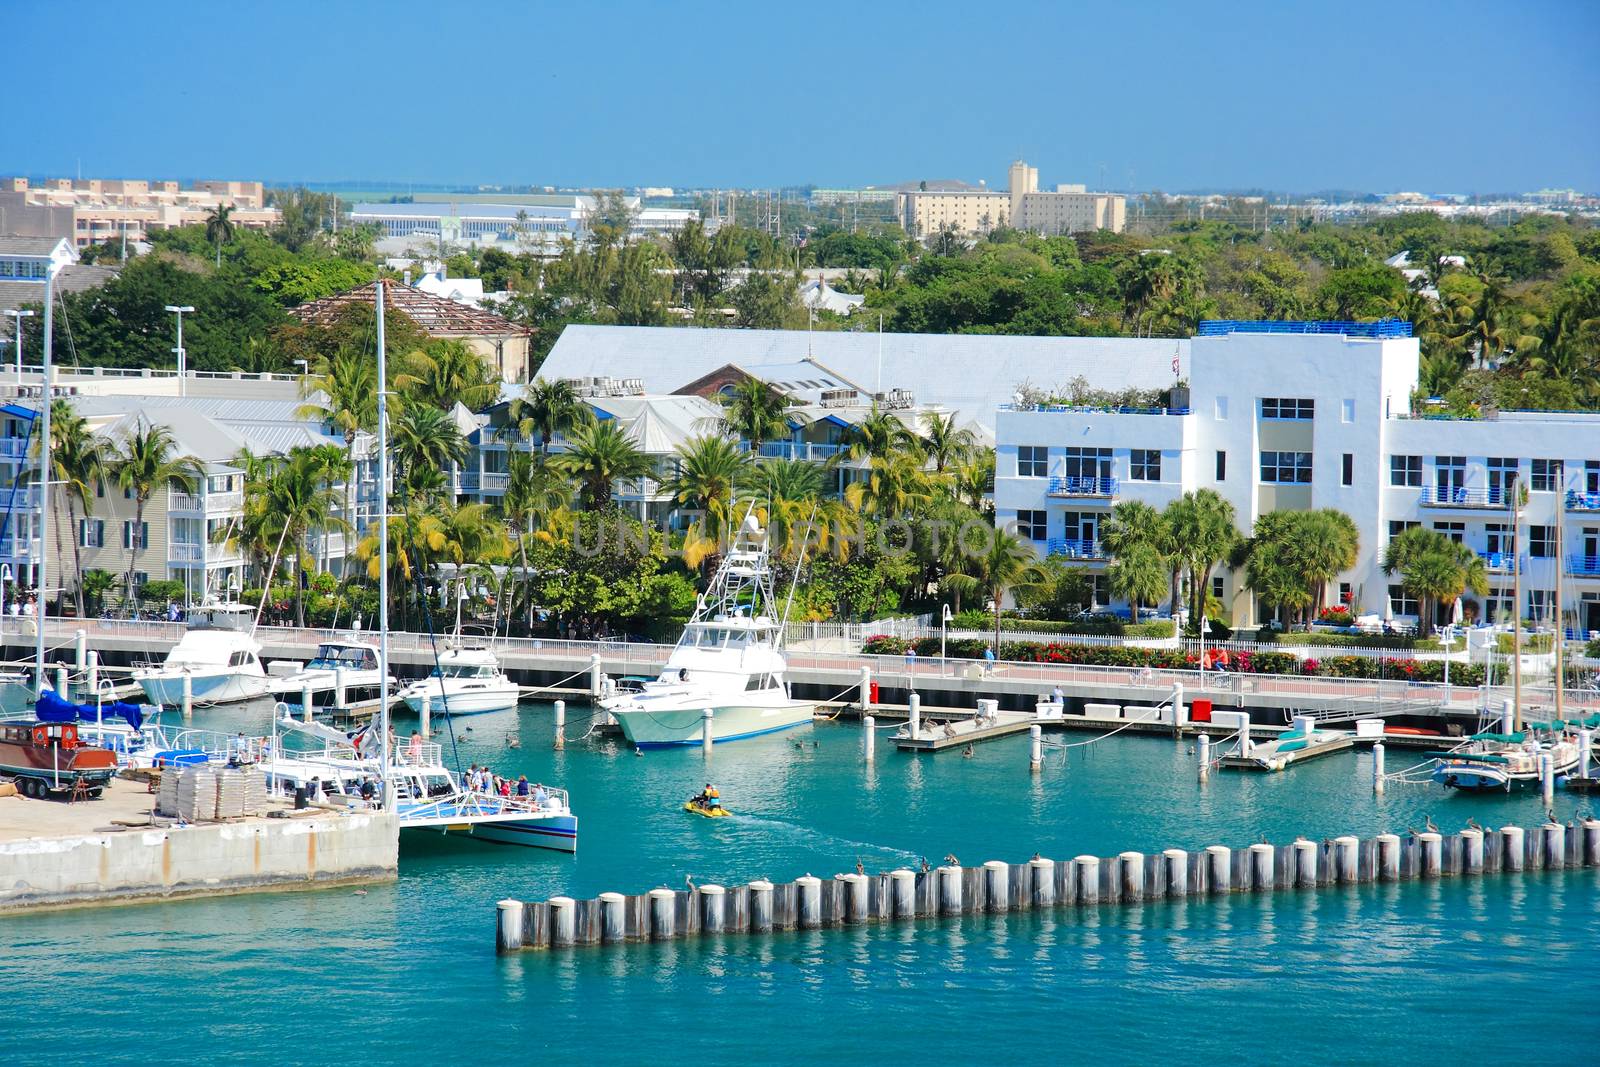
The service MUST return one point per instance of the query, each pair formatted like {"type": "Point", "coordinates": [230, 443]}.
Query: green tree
{"type": "Point", "coordinates": [1139, 576]}
{"type": "Point", "coordinates": [219, 228]}
{"type": "Point", "coordinates": [146, 459]}
{"type": "Point", "coordinates": [755, 412]}
{"type": "Point", "coordinates": [424, 441]}
{"type": "Point", "coordinates": [547, 408]}
{"type": "Point", "coordinates": [1434, 569]}
{"type": "Point", "coordinates": [598, 455]}
{"type": "Point", "coordinates": [1203, 534]}
{"type": "Point", "coordinates": [709, 470]}
{"type": "Point", "coordinates": [1004, 565]}
{"type": "Point", "coordinates": [78, 455]}
{"type": "Point", "coordinates": [946, 443]}
{"type": "Point", "coordinates": [445, 373]}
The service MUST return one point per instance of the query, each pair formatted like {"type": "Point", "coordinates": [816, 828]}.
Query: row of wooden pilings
{"type": "Point", "coordinates": [761, 907]}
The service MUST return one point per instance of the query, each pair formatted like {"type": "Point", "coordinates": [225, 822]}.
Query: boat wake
{"type": "Point", "coordinates": [823, 840]}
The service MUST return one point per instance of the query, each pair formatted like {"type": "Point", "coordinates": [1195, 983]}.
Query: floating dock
{"type": "Point", "coordinates": [904, 896]}
{"type": "Point", "coordinates": [1286, 751]}
{"type": "Point", "coordinates": [988, 723]}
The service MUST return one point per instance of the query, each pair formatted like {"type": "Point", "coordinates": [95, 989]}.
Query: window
{"type": "Point", "coordinates": [1541, 604]}
{"type": "Point", "coordinates": [1031, 525]}
{"type": "Point", "coordinates": [1217, 586]}
{"type": "Point", "coordinates": [1591, 476]}
{"type": "Point", "coordinates": [1405, 470]}
{"type": "Point", "coordinates": [1222, 466]}
{"type": "Point", "coordinates": [1100, 589]}
{"type": "Point", "coordinates": [1080, 525]}
{"type": "Point", "coordinates": [1287, 408]}
{"type": "Point", "coordinates": [1497, 605]}
{"type": "Point", "coordinates": [140, 580]}
{"type": "Point", "coordinates": [1347, 411]}
{"type": "Point", "coordinates": [1449, 476]}
{"type": "Point", "coordinates": [1087, 463]}
{"type": "Point", "coordinates": [1033, 461]}
{"type": "Point", "coordinates": [1401, 602]}
{"type": "Point", "coordinates": [1498, 539]}
{"type": "Point", "coordinates": [1546, 476]}
{"type": "Point", "coordinates": [1347, 471]}
{"type": "Point", "coordinates": [1456, 531]}
{"type": "Point", "coordinates": [127, 535]}
{"type": "Point", "coordinates": [1145, 465]}
{"type": "Point", "coordinates": [1502, 476]}
{"type": "Point", "coordinates": [1400, 526]}
{"type": "Point", "coordinates": [1346, 593]}
{"type": "Point", "coordinates": [100, 488]}
{"type": "Point", "coordinates": [1222, 409]}
{"type": "Point", "coordinates": [1542, 542]}
{"type": "Point", "coordinates": [91, 533]}
{"type": "Point", "coordinates": [1286, 467]}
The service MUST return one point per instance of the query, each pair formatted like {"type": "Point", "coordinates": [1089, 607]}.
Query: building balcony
{"type": "Point", "coordinates": [204, 503]}
{"type": "Point", "coordinates": [493, 481]}
{"type": "Point", "coordinates": [1443, 496]}
{"type": "Point", "coordinates": [1082, 487]}
{"type": "Point", "coordinates": [1070, 549]}
{"type": "Point", "coordinates": [189, 554]}
{"type": "Point", "coordinates": [1577, 501]}
{"type": "Point", "coordinates": [19, 548]}
{"type": "Point", "coordinates": [14, 448]}
{"type": "Point", "coordinates": [1583, 566]}
{"type": "Point", "coordinates": [637, 489]}
{"type": "Point", "coordinates": [804, 450]}
{"type": "Point", "coordinates": [1498, 562]}
{"type": "Point", "coordinates": [20, 499]}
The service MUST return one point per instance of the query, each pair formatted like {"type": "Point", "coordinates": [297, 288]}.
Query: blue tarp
{"type": "Point", "coordinates": [53, 708]}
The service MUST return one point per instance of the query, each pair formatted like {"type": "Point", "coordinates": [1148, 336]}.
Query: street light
{"type": "Point", "coordinates": [179, 309]}
{"type": "Point", "coordinates": [944, 621]}
{"type": "Point", "coordinates": [19, 315]}
{"type": "Point", "coordinates": [305, 367]}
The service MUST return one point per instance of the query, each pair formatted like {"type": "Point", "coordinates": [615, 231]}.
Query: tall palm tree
{"type": "Point", "coordinates": [424, 441]}
{"type": "Point", "coordinates": [974, 480]}
{"type": "Point", "coordinates": [1203, 534]}
{"type": "Point", "coordinates": [1139, 575]}
{"type": "Point", "coordinates": [944, 442]}
{"type": "Point", "coordinates": [709, 470]}
{"type": "Point", "coordinates": [343, 392]}
{"type": "Point", "coordinates": [535, 491]}
{"type": "Point", "coordinates": [881, 435]}
{"type": "Point", "coordinates": [597, 456]}
{"type": "Point", "coordinates": [1327, 544]}
{"type": "Point", "coordinates": [1434, 569]}
{"type": "Point", "coordinates": [894, 487]}
{"type": "Point", "coordinates": [78, 455]}
{"type": "Point", "coordinates": [219, 227]}
{"type": "Point", "coordinates": [755, 412]}
{"type": "Point", "coordinates": [301, 499]}
{"type": "Point", "coordinates": [445, 373]}
{"type": "Point", "coordinates": [1005, 564]}
{"type": "Point", "coordinates": [147, 459]}
{"type": "Point", "coordinates": [547, 408]}
{"type": "Point", "coordinates": [1134, 524]}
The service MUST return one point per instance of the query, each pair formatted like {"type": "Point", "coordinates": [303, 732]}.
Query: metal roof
{"type": "Point", "coordinates": [971, 374]}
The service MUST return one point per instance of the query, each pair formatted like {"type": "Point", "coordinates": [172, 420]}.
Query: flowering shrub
{"type": "Point", "coordinates": [1336, 616]}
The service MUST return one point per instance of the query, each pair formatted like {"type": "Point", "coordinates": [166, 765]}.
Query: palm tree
{"type": "Point", "coordinates": [754, 412]}
{"type": "Point", "coordinates": [219, 227]}
{"type": "Point", "coordinates": [1006, 564]}
{"type": "Point", "coordinates": [1327, 544]}
{"type": "Point", "coordinates": [895, 487]}
{"type": "Point", "coordinates": [344, 394]}
{"type": "Point", "coordinates": [78, 455]}
{"type": "Point", "coordinates": [974, 480]}
{"type": "Point", "coordinates": [424, 441]}
{"type": "Point", "coordinates": [1139, 576]}
{"type": "Point", "coordinates": [881, 435]}
{"type": "Point", "coordinates": [709, 470]}
{"type": "Point", "coordinates": [1434, 569]}
{"type": "Point", "coordinates": [944, 442]}
{"type": "Point", "coordinates": [547, 408]}
{"type": "Point", "coordinates": [598, 455]}
{"type": "Point", "coordinates": [301, 499]}
{"type": "Point", "coordinates": [1133, 524]}
{"type": "Point", "coordinates": [147, 460]}
{"type": "Point", "coordinates": [1203, 535]}
{"type": "Point", "coordinates": [535, 491]}
{"type": "Point", "coordinates": [446, 373]}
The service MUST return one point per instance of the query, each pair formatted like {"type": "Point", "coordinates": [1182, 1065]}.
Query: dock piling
{"type": "Point", "coordinates": [613, 918]}
{"type": "Point", "coordinates": [1262, 859]}
{"type": "Point", "coordinates": [186, 698]}
{"type": "Point", "coordinates": [705, 730]}
{"type": "Point", "coordinates": [1589, 856]}
{"type": "Point", "coordinates": [914, 713]}
{"type": "Point", "coordinates": [1042, 873]}
{"type": "Point", "coordinates": [80, 650]}
{"type": "Point", "coordinates": [869, 739]}
{"type": "Point", "coordinates": [594, 677]}
{"type": "Point", "coordinates": [1176, 861]}
{"type": "Point", "coordinates": [808, 902]}
{"type": "Point", "coordinates": [425, 714]}
{"type": "Point", "coordinates": [510, 925]}
{"type": "Point", "coordinates": [305, 700]}
{"type": "Point", "coordinates": [94, 672]}
{"type": "Point", "coordinates": [1203, 750]}
{"type": "Point", "coordinates": [1377, 768]}
{"type": "Point", "coordinates": [1430, 846]}
{"type": "Point", "coordinates": [865, 698]}
{"type": "Point", "coordinates": [856, 898]}
{"type": "Point", "coordinates": [902, 894]}
{"type": "Point", "coordinates": [1035, 748]}
{"type": "Point", "coordinates": [1585, 749]}
{"type": "Point", "coordinates": [340, 691]}
{"type": "Point", "coordinates": [563, 922]}
{"type": "Point", "coordinates": [561, 725]}
{"type": "Point", "coordinates": [1218, 868]}
{"type": "Point", "coordinates": [713, 908]}
{"type": "Point", "coordinates": [1346, 859]}
{"type": "Point", "coordinates": [1305, 864]}
{"type": "Point", "coordinates": [1515, 848]}
{"type": "Point", "coordinates": [1086, 879]}
{"type": "Point", "coordinates": [950, 890]}
{"type": "Point", "coordinates": [663, 913]}
{"type": "Point", "coordinates": [1388, 857]}
{"type": "Point", "coordinates": [1547, 779]}
{"type": "Point", "coordinates": [1471, 851]}
{"type": "Point", "coordinates": [1555, 845]}
{"type": "Point", "coordinates": [760, 906]}
{"type": "Point", "coordinates": [997, 885]}
{"type": "Point", "coordinates": [1130, 869]}
{"type": "Point", "coordinates": [61, 682]}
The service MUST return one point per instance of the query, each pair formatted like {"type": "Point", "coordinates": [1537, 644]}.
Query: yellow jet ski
{"type": "Point", "coordinates": [695, 807]}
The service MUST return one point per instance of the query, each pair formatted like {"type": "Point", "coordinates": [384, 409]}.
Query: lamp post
{"type": "Point", "coordinates": [183, 385]}
{"type": "Point", "coordinates": [5, 580]}
{"type": "Point", "coordinates": [305, 367]}
{"type": "Point", "coordinates": [18, 314]}
{"type": "Point", "coordinates": [944, 622]}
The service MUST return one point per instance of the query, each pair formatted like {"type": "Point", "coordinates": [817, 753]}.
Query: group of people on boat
{"type": "Point", "coordinates": [483, 780]}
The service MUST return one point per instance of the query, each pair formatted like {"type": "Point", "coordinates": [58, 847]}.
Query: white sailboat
{"type": "Point", "coordinates": [729, 660]}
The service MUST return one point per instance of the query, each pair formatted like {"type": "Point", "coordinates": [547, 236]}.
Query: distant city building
{"type": "Point", "coordinates": [532, 223]}
{"type": "Point", "coordinates": [818, 295]}
{"type": "Point", "coordinates": [95, 210]}
{"type": "Point", "coordinates": [1068, 209]}
{"type": "Point", "coordinates": [853, 196]}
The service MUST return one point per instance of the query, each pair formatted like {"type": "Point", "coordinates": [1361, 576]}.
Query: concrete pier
{"type": "Point", "coordinates": [951, 891]}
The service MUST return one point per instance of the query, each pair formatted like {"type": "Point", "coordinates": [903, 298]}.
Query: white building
{"type": "Point", "coordinates": [532, 223]}
{"type": "Point", "coordinates": [1318, 415]}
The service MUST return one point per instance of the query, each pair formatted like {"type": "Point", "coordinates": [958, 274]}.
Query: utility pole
{"type": "Point", "coordinates": [19, 314]}
{"type": "Point", "coordinates": [179, 310]}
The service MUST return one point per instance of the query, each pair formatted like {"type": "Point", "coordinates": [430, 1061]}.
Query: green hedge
{"type": "Point", "coordinates": [1172, 659]}
{"type": "Point", "coordinates": [978, 620]}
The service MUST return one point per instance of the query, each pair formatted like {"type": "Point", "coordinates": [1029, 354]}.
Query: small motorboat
{"type": "Point", "coordinates": [466, 681]}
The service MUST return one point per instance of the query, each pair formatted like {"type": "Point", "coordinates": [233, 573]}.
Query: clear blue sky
{"type": "Point", "coordinates": [1456, 97]}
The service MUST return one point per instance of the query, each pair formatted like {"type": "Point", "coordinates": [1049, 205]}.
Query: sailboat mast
{"type": "Point", "coordinates": [383, 554]}
{"type": "Point", "coordinates": [1516, 615]}
{"type": "Point", "coordinates": [46, 461]}
{"type": "Point", "coordinates": [1561, 625]}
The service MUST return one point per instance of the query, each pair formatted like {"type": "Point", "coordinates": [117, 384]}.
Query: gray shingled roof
{"type": "Point", "coordinates": [12, 244]}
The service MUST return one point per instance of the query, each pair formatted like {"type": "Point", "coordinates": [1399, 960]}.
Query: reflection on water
{"type": "Point", "coordinates": [1386, 971]}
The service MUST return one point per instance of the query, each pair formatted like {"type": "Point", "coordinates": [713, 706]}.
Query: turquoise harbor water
{"type": "Point", "coordinates": [407, 973]}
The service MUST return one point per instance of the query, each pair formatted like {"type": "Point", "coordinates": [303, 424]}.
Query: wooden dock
{"type": "Point", "coordinates": [761, 907]}
{"type": "Point", "coordinates": [1279, 756]}
{"type": "Point", "coordinates": [932, 737]}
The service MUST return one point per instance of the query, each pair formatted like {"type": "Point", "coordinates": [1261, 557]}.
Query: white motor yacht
{"type": "Point", "coordinates": [343, 673]}
{"type": "Point", "coordinates": [466, 681]}
{"type": "Point", "coordinates": [729, 659]}
{"type": "Point", "coordinates": [217, 654]}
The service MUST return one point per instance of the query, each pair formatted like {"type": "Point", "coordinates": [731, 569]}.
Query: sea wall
{"type": "Point", "coordinates": [198, 860]}
{"type": "Point", "coordinates": [761, 907]}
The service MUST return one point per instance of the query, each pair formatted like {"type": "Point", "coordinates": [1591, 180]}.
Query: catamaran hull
{"type": "Point", "coordinates": [651, 728]}
{"type": "Point", "coordinates": [558, 832]}
{"type": "Point", "coordinates": [219, 688]}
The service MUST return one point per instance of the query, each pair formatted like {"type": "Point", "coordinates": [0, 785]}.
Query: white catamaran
{"type": "Point", "coordinates": [729, 660]}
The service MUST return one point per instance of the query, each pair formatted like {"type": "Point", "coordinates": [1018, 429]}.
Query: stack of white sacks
{"type": "Point", "coordinates": [204, 792]}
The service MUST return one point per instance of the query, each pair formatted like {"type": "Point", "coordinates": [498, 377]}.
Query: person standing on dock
{"type": "Point", "coordinates": [988, 660]}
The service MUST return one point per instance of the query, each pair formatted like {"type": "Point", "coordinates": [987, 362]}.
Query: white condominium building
{"type": "Point", "coordinates": [1295, 415]}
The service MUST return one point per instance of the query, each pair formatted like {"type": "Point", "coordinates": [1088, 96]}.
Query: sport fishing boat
{"type": "Point", "coordinates": [342, 674]}
{"type": "Point", "coordinates": [466, 681]}
{"type": "Point", "coordinates": [1507, 760]}
{"type": "Point", "coordinates": [218, 655]}
{"type": "Point", "coordinates": [729, 660]}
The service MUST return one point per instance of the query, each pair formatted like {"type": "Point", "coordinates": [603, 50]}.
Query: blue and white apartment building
{"type": "Point", "coordinates": [1319, 415]}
